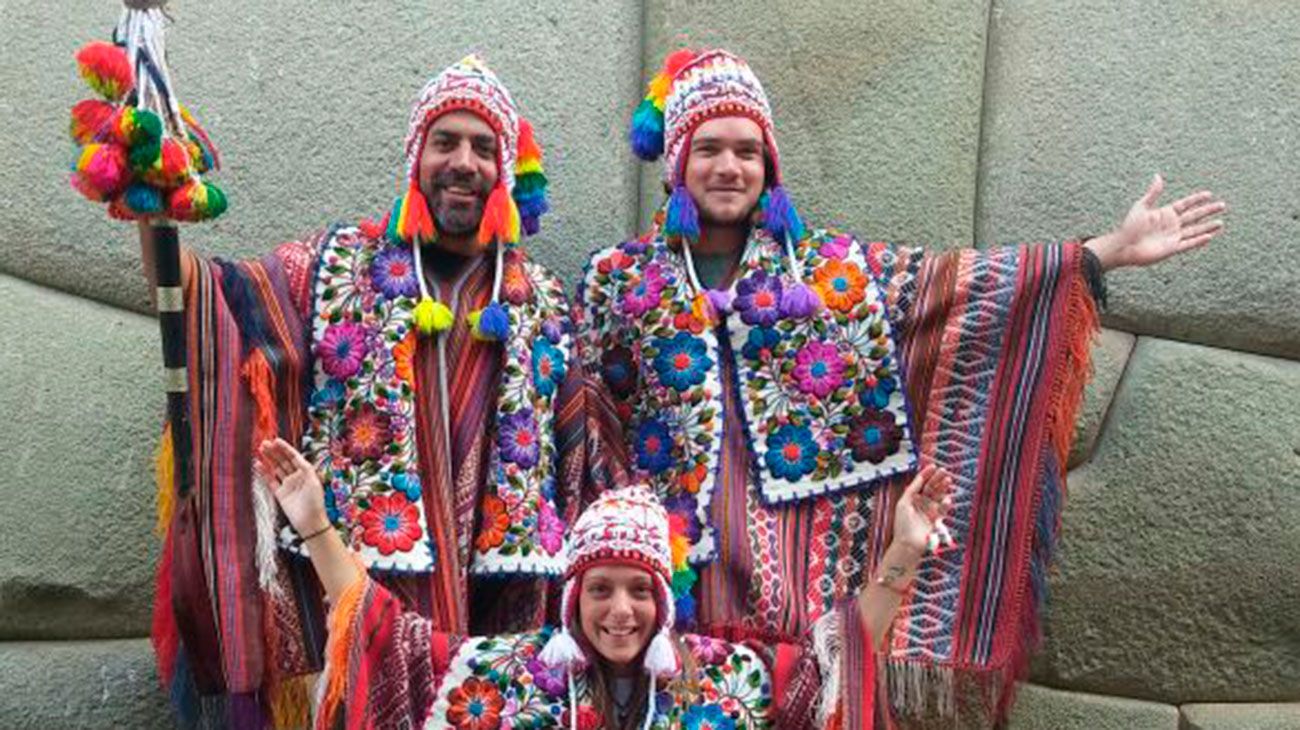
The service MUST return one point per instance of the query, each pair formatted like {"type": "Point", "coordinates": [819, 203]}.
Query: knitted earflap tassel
{"type": "Point", "coordinates": [782, 221]}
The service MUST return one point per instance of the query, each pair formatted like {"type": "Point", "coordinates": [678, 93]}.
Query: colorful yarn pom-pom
{"type": "Point", "coordinates": [647, 132]}
{"type": "Point", "coordinates": [135, 127]}
{"type": "Point", "coordinates": [530, 181]}
{"type": "Point", "coordinates": [92, 121]}
{"type": "Point", "coordinates": [106, 69]}
{"type": "Point", "coordinates": [102, 171]}
{"type": "Point", "coordinates": [172, 168]}
{"type": "Point", "coordinates": [432, 316]}
{"type": "Point", "coordinates": [196, 201]}
{"type": "Point", "coordinates": [142, 199]}
{"type": "Point", "coordinates": [491, 324]}
{"type": "Point", "coordinates": [683, 218]}
{"type": "Point", "coordinates": [500, 218]}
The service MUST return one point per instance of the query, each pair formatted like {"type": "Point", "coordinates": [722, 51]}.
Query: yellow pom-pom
{"type": "Point", "coordinates": [432, 316]}
{"type": "Point", "coordinates": [680, 545]}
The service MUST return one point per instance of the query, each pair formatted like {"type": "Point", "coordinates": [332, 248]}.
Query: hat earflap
{"type": "Point", "coordinates": [562, 650]}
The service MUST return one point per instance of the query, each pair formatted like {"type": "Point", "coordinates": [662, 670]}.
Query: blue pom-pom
{"type": "Point", "coordinates": [682, 218]}
{"type": "Point", "coordinates": [780, 217]}
{"type": "Point", "coordinates": [647, 133]}
{"type": "Point", "coordinates": [685, 608]}
{"type": "Point", "coordinates": [143, 199]}
{"type": "Point", "coordinates": [532, 205]}
{"type": "Point", "coordinates": [494, 323]}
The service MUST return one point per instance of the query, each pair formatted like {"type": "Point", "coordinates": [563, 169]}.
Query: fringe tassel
{"type": "Point", "coordinates": [163, 634]}
{"type": "Point", "coordinates": [261, 384]}
{"type": "Point", "coordinates": [913, 684]}
{"type": "Point", "coordinates": [164, 475]}
{"type": "Point", "coordinates": [500, 218]}
{"type": "Point", "coordinates": [264, 512]}
{"type": "Point", "coordinates": [828, 638]}
{"type": "Point", "coordinates": [290, 703]}
{"type": "Point", "coordinates": [342, 634]}
{"type": "Point", "coordinates": [182, 693]}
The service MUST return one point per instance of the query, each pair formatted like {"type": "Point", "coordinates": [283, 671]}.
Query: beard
{"type": "Point", "coordinates": [457, 219]}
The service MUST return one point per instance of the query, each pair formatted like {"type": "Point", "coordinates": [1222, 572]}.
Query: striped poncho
{"type": "Point", "coordinates": [984, 361]}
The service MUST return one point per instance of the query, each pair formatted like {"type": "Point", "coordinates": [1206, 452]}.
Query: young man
{"type": "Point", "coordinates": [778, 385]}
{"type": "Point", "coordinates": [424, 366]}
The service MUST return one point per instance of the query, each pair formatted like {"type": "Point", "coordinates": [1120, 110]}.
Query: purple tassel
{"type": "Point", "coordinates": [779, 216]}
{"type": "Point", "coordinates": [800, 301]}
{"type": "Point", "coordinates": [531, 225]}
{"type": "Point", "coordinates": [683, 219]}
{"type": "Point", "coordinates": [720, 300]}
{"type": "Point", "coordinates": [246, 710]}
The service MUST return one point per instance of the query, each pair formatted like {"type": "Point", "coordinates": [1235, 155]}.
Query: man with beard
{"type": "Point", "coordinates": [778, 385]}
{"type": "Point", "coordinates": [424, 364]}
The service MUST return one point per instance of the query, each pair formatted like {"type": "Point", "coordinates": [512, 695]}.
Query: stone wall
{"type": "Point", "coordinates": [945, 123]}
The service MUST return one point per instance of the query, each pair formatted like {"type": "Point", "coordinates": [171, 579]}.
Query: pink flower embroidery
{"type": "Point", "coordinates": [819, 369]}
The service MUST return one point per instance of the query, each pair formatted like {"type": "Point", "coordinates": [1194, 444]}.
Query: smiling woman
{"type": "Point", "coordinates": [615, 661]}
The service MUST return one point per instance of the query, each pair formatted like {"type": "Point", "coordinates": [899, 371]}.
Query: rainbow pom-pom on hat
{"type": "Point", "coordinates": [692, 88]}
{"type": "Point", "coordinates": [515, 205]}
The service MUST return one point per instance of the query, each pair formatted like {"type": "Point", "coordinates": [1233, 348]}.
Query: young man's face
{"type": "Point", "coordinates": [616, 611]}
{"type": "Point", "coordinates": [458, 169]}
{"type": "Point", "coordinates": [725, 169]}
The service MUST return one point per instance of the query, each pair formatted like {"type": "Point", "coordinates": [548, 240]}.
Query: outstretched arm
{"type": "Point", "coordinates": [1150, 234]}
{"type": "Point", "coordinates": [922, 505]}
{"type": "Point", "coordinates": [296, 487]}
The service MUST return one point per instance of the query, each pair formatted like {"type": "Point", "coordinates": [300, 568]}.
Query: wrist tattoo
{"type": "Point", "coordinates": [891, 574]}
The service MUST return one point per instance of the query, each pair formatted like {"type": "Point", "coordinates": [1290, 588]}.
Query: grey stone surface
{"type": "Point", "coordinates": [1085, 101]}
{"type": "Point", "coordinates": [1040, 708]}
{"type": "Point", "coordinates": [1233, 716]}
{"type": "Point", "coordinates": [83, 400]}
{"type": "Point", "coordinates": [876, 107]}
{"type": "Point", "coordinates": [1109, 356]}
{"type": "Point", "coordinates": [1179, 566]}
{"type": "Point", "coordinates": [74, 685]}
{"type": "Point", "coordinates": [308, 102]}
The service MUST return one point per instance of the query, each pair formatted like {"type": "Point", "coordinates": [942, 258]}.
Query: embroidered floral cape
{"type": "Point", "coordinates": [825, 409]}
{"type": "Point", "coordinates": [361, 428]}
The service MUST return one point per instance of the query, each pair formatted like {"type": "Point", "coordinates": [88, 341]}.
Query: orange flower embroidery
{"type": "Point", "coordinates": [841, 285]}
{"type": "Point", "coordinates": [404, 357]}
{"type": "Point", "coordinates": [475, 705]}
{"type": "Point", "coordinates": [495, 524]}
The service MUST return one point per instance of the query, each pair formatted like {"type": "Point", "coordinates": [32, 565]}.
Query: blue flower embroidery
{"type": "Point", "coordinates": [761, 341]}
{"type": "Point", "coordinates": [877, 396]}
{"type": "Point", "coordinates": [654, 447]}
{"type": "Point", "coordinates": [548, 366]}
{"type": "Point", "coordinates": [707, 717]}
{"type": "Point", "coordinates": [791, 452]}
{"type": "Point", "coordinates": [682, 361]}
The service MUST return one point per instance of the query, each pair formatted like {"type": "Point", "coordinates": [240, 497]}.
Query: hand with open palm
{"type": "Point", "coordinates": [1150, 234]}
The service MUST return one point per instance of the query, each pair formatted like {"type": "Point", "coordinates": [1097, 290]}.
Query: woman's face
{"type": "Point", "coordinates": [616, 610]}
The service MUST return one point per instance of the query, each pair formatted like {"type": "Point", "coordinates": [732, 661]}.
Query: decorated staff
{"type": "Point", "coordinates": [144, 156]}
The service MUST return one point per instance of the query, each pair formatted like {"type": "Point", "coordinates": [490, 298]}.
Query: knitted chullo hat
{"type": "Point", "coordinates": [516, 202]}
{"type": "Point", "coordinates": [622, 527]}
{"type": "Point", "coordinates": [692, 88]}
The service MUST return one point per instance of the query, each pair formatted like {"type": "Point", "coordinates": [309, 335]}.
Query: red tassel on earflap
{"type": "Point", "coordinates": [500, 218]}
